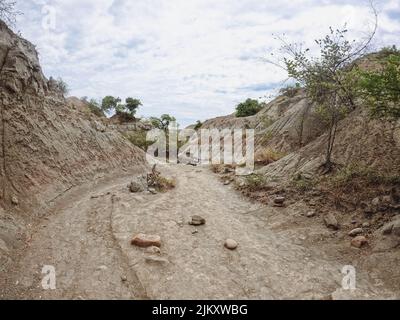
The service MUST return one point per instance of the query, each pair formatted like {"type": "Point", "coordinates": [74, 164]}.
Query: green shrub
{"type": "Point", "coordinates": [302, 183]}
{"type": "Point", "coordinates": [248, 108]}
{"type": "Point", "coordinates": [139, 139]}
{"type": "Point", "coordinates": [63, 86]}
{"type": "Point", "coordinates": [387, 51]}
{"type": "Point", "coordinates": [256, 182]}
{"type": "Point", "coordinates": [94, 107]}
{"type": "Point", "coordinates": [290, 90]}
{"type": "Point", "coordinates": [268, 156]}
{"type": "Point", "coordinates": [357, 174]}
{"type": "Point", "coordinates": [380, 89]}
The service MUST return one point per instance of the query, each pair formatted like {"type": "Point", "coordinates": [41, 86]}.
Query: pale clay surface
{"type": "Point", "coordinates": [88, 242]}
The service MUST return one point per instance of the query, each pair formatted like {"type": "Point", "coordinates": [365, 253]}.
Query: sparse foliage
{"type": "Point", "coordinates": [163, 122]}
{"type": "Point", "coordinates": [160, 183]}
{"type": "Point", "coordinates": [127, 110]}
{"type": "Point", "coordinates": [62, 86]}
{"type": "Point", "coordinates": [8, 13]}
{"type": "Point", "coordinates": [268, 156]}
{"type": "Point", "coordinates": [132, 105]}
{"type": "Point", "coordinates": [95, 107]}
{"type": "Point", "coordinates": [290, 90]}
{"type": "Point", "coordinates": [327, 77]}
{"type": "Point", "coordinates": [139, 139]}
{"type": "Point", "coordinates": [110, 103]}
{"type": "Point", "coordinates": [380, 89]}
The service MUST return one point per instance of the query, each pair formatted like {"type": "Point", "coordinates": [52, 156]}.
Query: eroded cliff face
{"type": "Point", "coordinates": [46, 146]}
{"type": "Point", "coordinates": [293, 127]}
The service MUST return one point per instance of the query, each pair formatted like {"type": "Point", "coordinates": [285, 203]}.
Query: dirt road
{"type": "Point", "coordinates": [87, 240]}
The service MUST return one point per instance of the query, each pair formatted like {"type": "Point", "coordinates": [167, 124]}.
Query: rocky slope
{"type": "Point", "coordinates": [292, 126]}
{"type": "Point", "coordinates": [361, 197]}
{"type": "Point", "coordinates": [46, 146]}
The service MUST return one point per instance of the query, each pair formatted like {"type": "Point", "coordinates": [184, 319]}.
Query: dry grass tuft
{"type": "Point", "coordinates": [160, 183]}
{"type": "Point", "coordinates": [268, 156]}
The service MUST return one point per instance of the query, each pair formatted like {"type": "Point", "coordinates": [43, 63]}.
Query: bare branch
{"type": "Point", "coordinates": [8, 13]}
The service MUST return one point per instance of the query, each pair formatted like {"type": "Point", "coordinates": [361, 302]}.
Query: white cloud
{"type": "Point", "coordinates": [192, 58]}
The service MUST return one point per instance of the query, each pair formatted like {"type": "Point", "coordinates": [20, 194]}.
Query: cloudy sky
{"type": "Point", "coordinates": [194, 59]}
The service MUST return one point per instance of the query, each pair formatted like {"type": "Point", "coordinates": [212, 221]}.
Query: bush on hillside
{"type": "Point", "coordinates": [248, 108]}
{"type": "Point", "coordinates": [290, 90]}
{"type": "Point", "coordinates": [380, 89]}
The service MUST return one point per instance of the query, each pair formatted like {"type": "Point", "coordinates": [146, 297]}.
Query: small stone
{"type": "Point", "coordinates": [279, 200]}
{"type": "Point", "coordinates": [152, 191]}
{"type": "Point", "coordinates": [124, 279]}
{"type": "Point", "coordinates": [102, 268]}
{"type": "Point", "coordinates": [3, 246]}
{"type": "Point", "coordinates": [157, 260]}
{"type": "Point", "coordinates": [387, 229]}
{"type": "Point", "coordinates": [366, 225]}
{"type": "Point", "coordinates": [376, 201]}
{"type": "Point", "coordinates": [331, 222]}
{"type": "Point", "coordinates": [153, 250]}
{"type": "Point", "coordinates": [14, 201]}
{"type": "Point", "coordinates": [228, 170]}
{"type": "Point", "coordinates": [396, 228]}
{"type": "Point", "coordinates": [359, 241]}
{"type": "Point", "coordinates": [197, 221]}
{"type": "Point", "coordinates": [138, 185]}
{"type": "Point", "coordinates": [312, 203]}
{"type": "Point", "coordinates": [231, 244]}
{"type": "Point", "coordinates": [145, 241]}
{"type": "Point", "coordinates": [387, 199]}
{"type": "Point", "coordinates": [311, 214]}
{"type": "Point", "coordinates": [356, 232]}
{"type": "Point", "coordinates": [392, 228]}
{"type": "Point", "coordinates": [227, 183]}
{"type": "Point", "coordinates": [368, 212]}
{"type": "Point", "coordinates": [195, 232]}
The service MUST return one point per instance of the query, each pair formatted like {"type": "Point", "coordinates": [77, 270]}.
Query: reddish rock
{"type": "Point", "coordinates": [145, 241]}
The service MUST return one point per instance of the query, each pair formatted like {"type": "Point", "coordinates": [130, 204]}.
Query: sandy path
{"type": "Point", "coordinates": [88, 243]}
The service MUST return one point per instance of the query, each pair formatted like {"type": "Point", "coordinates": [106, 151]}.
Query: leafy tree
{"type": "Point", "coordinates": [127, 109]}
{"type": "Point", "coordinates": [110, 103]}
{"type": "Point", "coordinates": [163, 122]}
{"type": "Point", "coordinates": [381, 88]}
{"type": "Point", "coordinates": [8, 13]}
{"type": "Point", "coordinates": [132, 105]}
{"type": "Point", "coordinates": [248, 108]}
{"type": "Point", "coordinates": [328, 77]}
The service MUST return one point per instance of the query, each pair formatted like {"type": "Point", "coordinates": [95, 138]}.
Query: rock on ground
{"type": "Point", "coordinates": [144, 241]}
{"type": "Point", "coordinates": [331, 221]}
